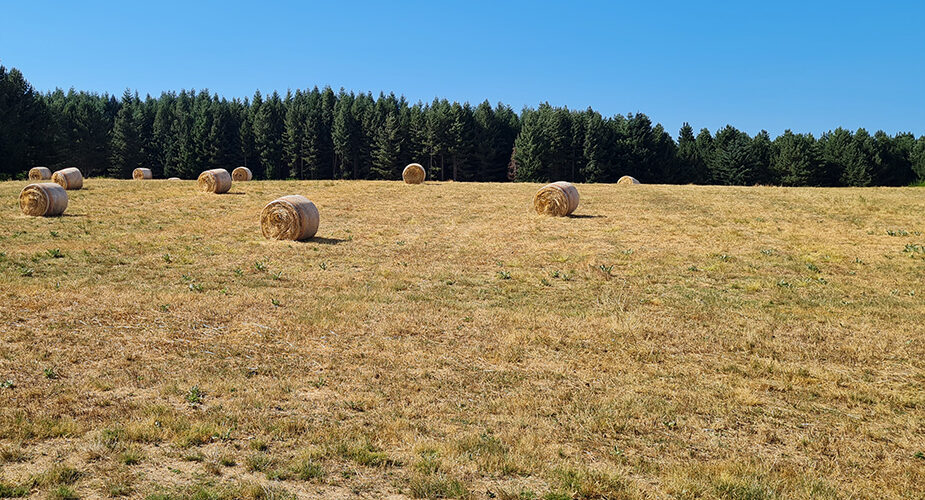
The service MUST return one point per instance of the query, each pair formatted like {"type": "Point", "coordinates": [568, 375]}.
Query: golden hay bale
{"type": "Point", "coordinates": [291, 217]}
{"type": "Point", "coordinates": [413, 174]}
{"type": "Point", "coordinates": [68, 178]}
{"type": "Point", "coordinates": [39, 174]}
{"type": "Point", "coordinates": [241, 174]}
{"type": "Point", "coordinates": [626, 179]}
{"type": "Point", "coordinates": [140, 174]}
{"type": "Point", "coordinates": [217, 181]}
{"type": "Point", "coordinates": [559, 199]}
{"type": "Point", "coordinates": [43, 199]}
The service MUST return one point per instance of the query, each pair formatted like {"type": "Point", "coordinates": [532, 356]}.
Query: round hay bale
{"type": "Point", "coordinates": [414, 174]}
{"type": "Point", "coordinates": [68, 178]}
{"type": "Point", "coordinates": [626, 179]}
{"type": "Point", "coordinates": [140, 174]}
{"type": "Point", "coordinates": [173, 179]}
{"type": "Point", "coordinates": [44, 199]}
{"type": "Point", "coordinates": [558, 199]}
{"type": "Point", "coordinates": [241, 174]}
{"type": "Point", "coordinates": [39, 174]}
{"type": "Point", "coordinates": [217, 181]}
{"type": "Point", "coordinates": [291, 217]}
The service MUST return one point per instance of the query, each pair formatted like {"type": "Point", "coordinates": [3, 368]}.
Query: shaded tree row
{"type": "Point", "coordinates": [322, 134]}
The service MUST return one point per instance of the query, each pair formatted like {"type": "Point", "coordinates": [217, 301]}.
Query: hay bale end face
{"type": "Point", "coordinates": [241, 174]}
{"type": "Point", "coordinates": [217, 181]}
{"type": "Point", "coordinates": [140, 174]}
{"type": "Point", "coordinates": [558, 199]}
{"type": "Point", "coordinates": [414, 174]}
{"type": "Point", "coordinates": [39, 174]}
{"type": "Point", "coordinates": [627, 179]}
{"type": "Point", "coordinates": [291, 217]}
{"type": "Point", "coordinates": [45, 199]}
{"type": "Point", "coordinates": [68, 178]}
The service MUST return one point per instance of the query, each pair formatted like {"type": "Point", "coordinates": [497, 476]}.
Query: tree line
{"type": "Point", "coordinates": [323, 134]}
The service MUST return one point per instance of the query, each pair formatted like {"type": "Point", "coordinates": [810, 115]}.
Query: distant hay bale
{"type": "Point", "coordinates": [44, 199]}
{"type": "Point", "coordinates": [241, 174]}
{"type": "Point", "coordinates": [39, 174]}
{"type": "Point", "coordinates": [558, 199]}
{"type": "Point", "coordinates": [413, 174]}
{"type": "Point", "coordinates": [173, 179]}
{"type": "Point", "coordinates": [217, 181]}
{"type": "Point", "coordinates": [68, 178]}
{"type": "Point", "coordinates": [626, 179]}
{"type": "Point", "coordinates": [291, 217]}
{"type": "Point", "coordinates": [140, 174]}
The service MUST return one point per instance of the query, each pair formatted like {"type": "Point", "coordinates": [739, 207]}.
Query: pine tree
{"type": "Point", "coordinates": [268, 137]}
{"type": "Point", "coordinates": [531, 148]}
{"type": "Point", "coordinates": [462, 146]}
{"type": "Point", "coordinates": [918, 160]}
{"type": "Point", "coordinates": [705, 150]}
{"type": "Point", "coordinates": [691, 166]}
{"type": "Point", "coordinates": [224, 137]}
{"type": "Point", "coordinates": [293, 133]}
{"type": "Point", "coordinates": [858, 160]}
{"type": "Point", "coordinates": [762, 147]}
{"type": "Point", "coordinates": [387, 149]}
{"type": "Point", "coordinates": [839, 152]}
{"type": "Point", "coordinates": [25, 125]}
{"type": "Point", "coordinates": [796, 160]}
{"type": "Point", "coordinates": [346, 138]}
{"type": "Point", "coordinates": [597, 150]}
{"type": "Point", "coordinates": [126, 144]}
{"type": "Point", "coordinates": [437, 138]}
{"type": "Point", "coordinates": [733, 161]}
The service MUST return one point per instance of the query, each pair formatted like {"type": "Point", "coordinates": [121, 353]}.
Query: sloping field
{"type": "Point", "coordinates": [443, 340]}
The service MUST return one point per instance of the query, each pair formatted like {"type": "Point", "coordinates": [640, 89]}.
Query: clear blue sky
{"type": "Point", "coordinates": [809, 66]}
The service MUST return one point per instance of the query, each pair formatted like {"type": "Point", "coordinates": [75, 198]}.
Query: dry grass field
{"type": "Point", "coordinates": [444, 341]}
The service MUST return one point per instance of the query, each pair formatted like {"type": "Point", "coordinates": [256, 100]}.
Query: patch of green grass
{"type": "Point", "coordinates": [131, 456]}
{"type": "Point", "coordinates": [10, 491]}
{"type": "Point", "coordinates": [194, 395]}
{"type": "Point", "coordinates": [437, 485]}
{"type": "Point", "coordinates": [307, 470]}
{"type": "Point", "coordinates": [258, 462]}
{"type": "Point", "coordinates": [63, 493]}
{"type": "Point", "coordinates": [119, 489]}
{"type": "Point", "coordinates": [737, 489]}
{"type": "Point", "coordinates": [587, 484]}
{"type": "Point", "coordinates": [197, 435]}
{"type": "Point", "coordinates": [364, 453]}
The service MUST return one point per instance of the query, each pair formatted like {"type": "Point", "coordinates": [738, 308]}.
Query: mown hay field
{"type": "Point", "coordinates": [444, 340]}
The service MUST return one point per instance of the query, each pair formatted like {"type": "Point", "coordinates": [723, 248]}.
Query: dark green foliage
{"type": "Point", "coordinates": [796, 160]}
{"type": "Point", "coordinates": [733, 160]}
{"type": "Point", "coordinates": [320, 134]}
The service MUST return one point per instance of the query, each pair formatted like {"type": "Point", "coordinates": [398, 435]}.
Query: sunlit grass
{"type": "Point", "coordinates": [443, 341]}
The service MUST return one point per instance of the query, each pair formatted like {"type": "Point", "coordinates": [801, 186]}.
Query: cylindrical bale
{"type": "Point", "coordinates": [217, 181]}
{"type": "Point", "coordinates": [414, 174]}
{"type": "Point", "coordinates": [241, 174]}
{"type": "Point", "coordinates": [291, 217]}
{"type": "Point", "coordinates": [173, 179]}
{"type": "Point", "coordinates": [68, 178]}
{"type": "Point", "coordinates": [559, 199]}
{"type": "Point", "coordinates": [44, 199]}
{"type": "Point", "coordinates": [39, 174]}
{"type": "Point", "coordinates": [140, 174]}
{"type": "Point", "coordinates": [627, 179]}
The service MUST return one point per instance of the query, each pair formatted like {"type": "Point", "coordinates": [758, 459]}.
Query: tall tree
{"type": "Point", "coordinates": [126, 152]}
{"type": "Point", "coordinates": [268, 137]}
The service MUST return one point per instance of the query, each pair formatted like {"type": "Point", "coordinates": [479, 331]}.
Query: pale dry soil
{"type": "Point", "coordinates": [444, 341]}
